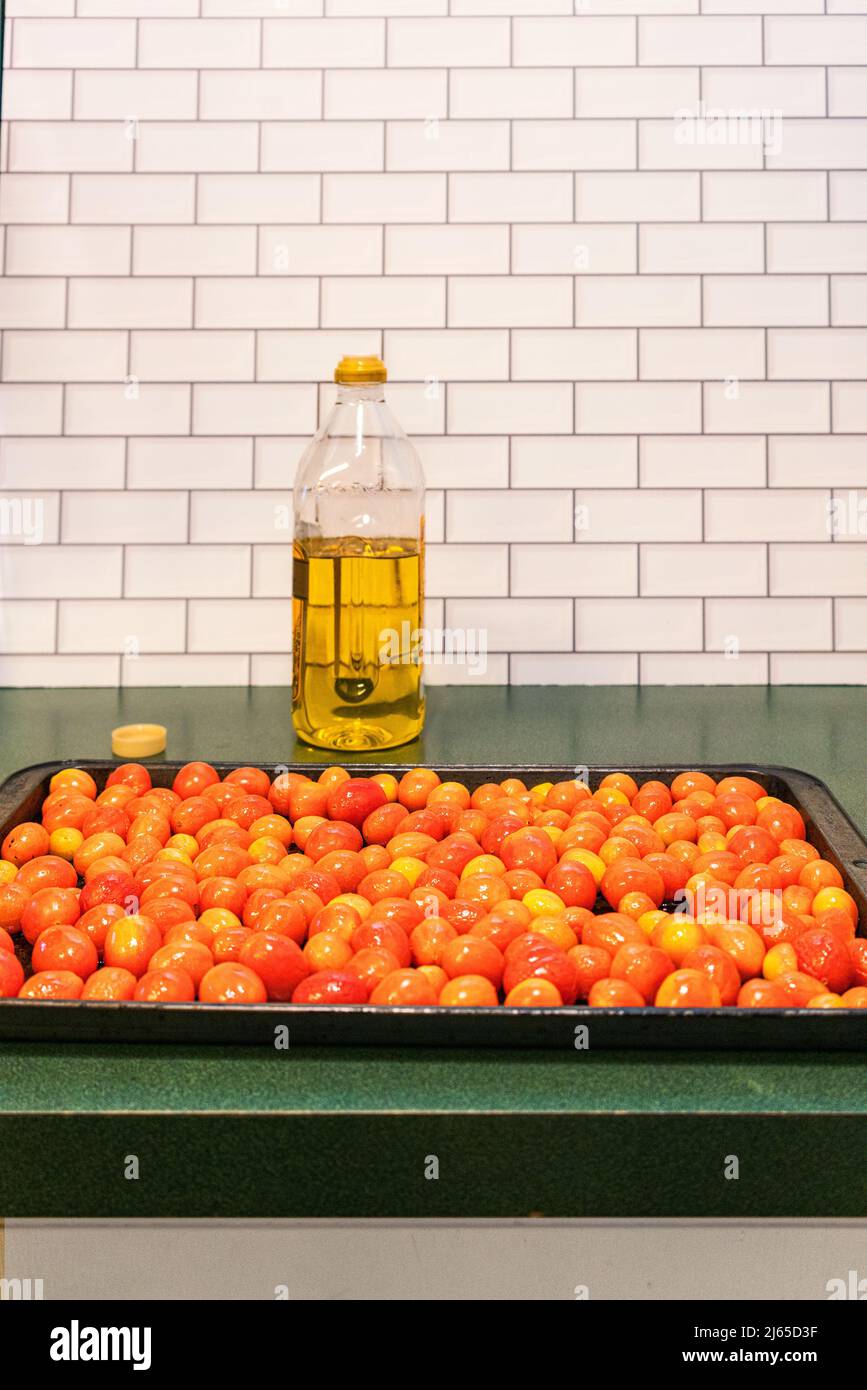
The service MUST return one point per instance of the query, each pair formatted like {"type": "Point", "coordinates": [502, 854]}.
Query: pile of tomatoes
{"type": "Point", "coordinates": [418, 891]}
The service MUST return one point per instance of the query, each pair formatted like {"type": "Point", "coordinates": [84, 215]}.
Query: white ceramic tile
{"type": "Point", "coordinates": [696, 354]}
{"type": "Point", "coordinates": [187, 571]}
{"type": "Point", "coordinates": [564, 570]}
{"type": "Point", "coordinates": [194, 251]}
{"type": "Point", "coordinates": [245, 302]}
{"type": "Point", "coordinates": [259, 96]}
{"type": "Point", "coordinates": [732, 248]}
{"type": "Point", "coordinates": [583, 249]}
{"type": "Point", "coordinates": [82, 672]}
{"type": "Point", "coordinates": [509, 301]}
{"type": "Point", "coordinates": [34, 198]}
{"type": "Point", "coordinates": [513, 409]}
{"type": "Point", "coordinates": [510, 197]}
{"type": "Point", "coordinates": [700, 39]}
{"type": "Point", "coordinates": [125, 198]}
{"type": "Point", "coordinates": [118, 518]}
{"type": "Point", "coordinates": [847, 91]}
{"type": "Point", "coordinates": [259, 517]}
{"type": "Point", "coordinates": [777, 407]}
{"type": "Point", "coordinates": [471, 462]}
{"type": "Point", "coordinates": [638, 407]}
{"type": "Point", "coordinates": [644, 515]}
{"type": "Point", "coordinates": [730, 570]}
{"type": "Point", "coordinates": [185, 670]}
{"type": "Point", "coordinates": [374, 302]}
{"type": "Point", "coordinates": [768, 624]}
{"type": "Point", "coordinates": [394, 94]}
{"type": "Point", "coordinates": [588, 354]}
{"type": "Point", "coordinates": [583, 40]}
{"type": "Point", "coordinates": [316, 43]}
{"type": "Point", "coordinates": [319, 146]}
{"type": "Point", "coordinates": [42, 571]}
{"type": "Point", "coordinates": [702, 461]}
{"type": "Point", "coordinates": [638, 624]}
{"type": "Point", "coordinates": [515, 624]}
{"type": "Point", "coordinates": [320, 251]}
{"type": "Point", "coordinates": [829, 668]}
{"type": "Point", "coordinates": [69, 146]}
{"type": "Point", "coordinates": [460, 354]}
{"type": "Point", "coordinates": [850, 624]}
{"type": "Point", "coordinates": [52, 463]}
{"type": "Point", "coordinates": [827, 39]}
{"type": "Point", "coordinates": [801, 248]}
{"type": "Point", "coordinates": [817, 460]}
{"type": "Point", "coordinates": [311, 355]}
{"type": "Point", "coordinates": [120, 626]}
{"type": "Point", "coordinates": [574, 668]}
{"type": "Point", "coordinates": [263, 408]}
{"type": "Point", "coordinates": [638, 300]}
{"type": "Point", "coordinates": [819, 569]}
{"type": "Point", "coordinates": [445, 145]}
{"type": "Point", "coordinates": [197, 146]}
{"type": "Point", "coordinates": [143, 302]}
{"type": "Point", "coordinates": [512, 92]}
{"type": "Point", "coordinates": [31, 409]}
{"type": "Point", "coordinates": [703, 668]}
{"type": "Point", "coordinates": [141, 96]}
{"type": "Point", "coordinates": [547, 461]}
{"type": "Point", "coordinates": [761, 300]}
{"type": "Point", "coordinates": [635, 91]}
{"type": "Point", "coordinates": [584, 144]}
{"type": "Point", "coordinates": [198, 43]}
{"type": "Point", "coordinates": [189, 463]}
{"type": "Point", "coordinates": [193, 356]}
{"type": "Point", "coordinates": [27, 626]}
{"type": "Point", "coordinates": [764, 197]}
{"type": "Point", "coordinates": [127, 408]}
{"type": "Point", "coordinates": [383, 197]}
{"type": "Point", "coordinates": [467, 571]}
{"type": "Point", "coordinates": [29, 94]}
{"type": "Point", "coordinates": [64, 356]}
{"type": "Point", "coordinates": [849, 405]}
{"type": "Point", "coordinates": [72, 43]}
{"type": "Point", "coordinates": [509, 516]}
{"type": "Point", "coordinates": [821, 353]}
{"type": "Point", "coordinates": [240, 625]}
{"type": "Point", "coordinates": [448, 43]}
{"type": "Point", "coordinates": [638, 197]}
{"type": "Point", "coordinates": [44, 250]}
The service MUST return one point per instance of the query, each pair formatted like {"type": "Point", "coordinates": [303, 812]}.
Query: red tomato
{"type": "Point", "coordinates": [824, 956]}
{"type": "Point", "coordinates": [50, 907]}
{"type": "Point", "coordinates": [169, 985]}
{"type": "Point", "coordinates": [110, 983]}
{"type": "Point", "coordinates": [193, 778]}
{"type": "Point", "coordinates": [354, 800]}
{"type": "Point", "coordinates": [52, 984]}
{"type": "Point", "coordinates": [133, 775]}
{"type": "Point", "coordinates": [26, 841]}
{"type": "Point", "coordinates": [11, 975]}
{"type": "Point", "coordinates": [130, 943]}
{"type": "Point", "coordinates": [331, 987]}
{"type": "Point", "coordinates": [277, 960]}
{"type": "Point", "coordinates": [230, 983]}
{"type": "Point", "coordinates": [64, 948]}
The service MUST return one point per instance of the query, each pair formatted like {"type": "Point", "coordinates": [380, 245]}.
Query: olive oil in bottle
{"type": "Point", "coordinates": [358, 574]}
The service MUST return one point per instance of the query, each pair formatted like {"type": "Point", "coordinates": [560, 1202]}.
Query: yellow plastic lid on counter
{"type": "Point", "coordinates": [138, 740]}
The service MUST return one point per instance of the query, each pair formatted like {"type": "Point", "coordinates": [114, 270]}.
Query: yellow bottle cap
{"type": "Point", "coordinates": [138, 740]}
{"type": "Point", "coordinates": [360, 370]}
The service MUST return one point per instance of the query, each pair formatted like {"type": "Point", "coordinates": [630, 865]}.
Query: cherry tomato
{"type": "Point", "coordinates": [52, 984]}
{"type": "Point", "coordinates": [231, 983]}
{"type": "Point", "coordinates": [331, 987]}
{"type": "Point", "coordinates": [11, 975]}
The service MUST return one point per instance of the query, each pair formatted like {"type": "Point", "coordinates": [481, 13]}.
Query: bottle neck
{"type": "Point", "coordinates": [372, 392]}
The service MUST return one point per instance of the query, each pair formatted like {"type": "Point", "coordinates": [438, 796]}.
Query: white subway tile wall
{"type": "Point", "coordinates": [613, 251]}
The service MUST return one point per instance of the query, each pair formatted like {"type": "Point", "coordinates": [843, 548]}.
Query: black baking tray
{"type": "Point", "coordinates": [828, 827]}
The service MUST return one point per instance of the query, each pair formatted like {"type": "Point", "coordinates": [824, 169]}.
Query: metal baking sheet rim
{"type": "Point", "coordinates": [24, 1020]}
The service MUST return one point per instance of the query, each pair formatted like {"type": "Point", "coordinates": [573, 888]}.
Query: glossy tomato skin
{"type": "Point", "coordinates": [11, 975]}
{"type": "Point", "coordinates": [231, 983]}
{"type": "Point", "coordinates": [130, 942]}
{"type": "Point", "coordinates": [49, 907]}
{"type": "Point", "coordinates": [193, 778]}
{"type": "Point", "coordinates": [331, 987]}
{"type": "Point", "coordinates": [52, 984]}
{"type": "Point", "coordinates": [277, 960]}
{"type": "Point", "coordinates": [824, 956]}
{"type": "Point", "coordinates": [109, 983]}
{"type": "Point", "coordinates": [64, 948]}
{"type": "Point", "coordinates": [169, 985]}
{"type": "Point", "coordinates": [354, 800]}
{"type": "Point", "coordinates": [109, 888]}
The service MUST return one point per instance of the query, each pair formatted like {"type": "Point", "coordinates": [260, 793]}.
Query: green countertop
{"type": "Point", "coordinates": [316, 1132]}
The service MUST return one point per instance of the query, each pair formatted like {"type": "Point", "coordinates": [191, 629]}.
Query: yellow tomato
{"type": "Point", "coordinates": [586, 857]}
{"type": "Point", "coordinates": [65, 842]}
{"type": "Point", "coordinates": [482, 864]}
{"type": "Point", "coordinates": [541, 901]}
{"type": "Point", "coordinates": [412, 869]}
